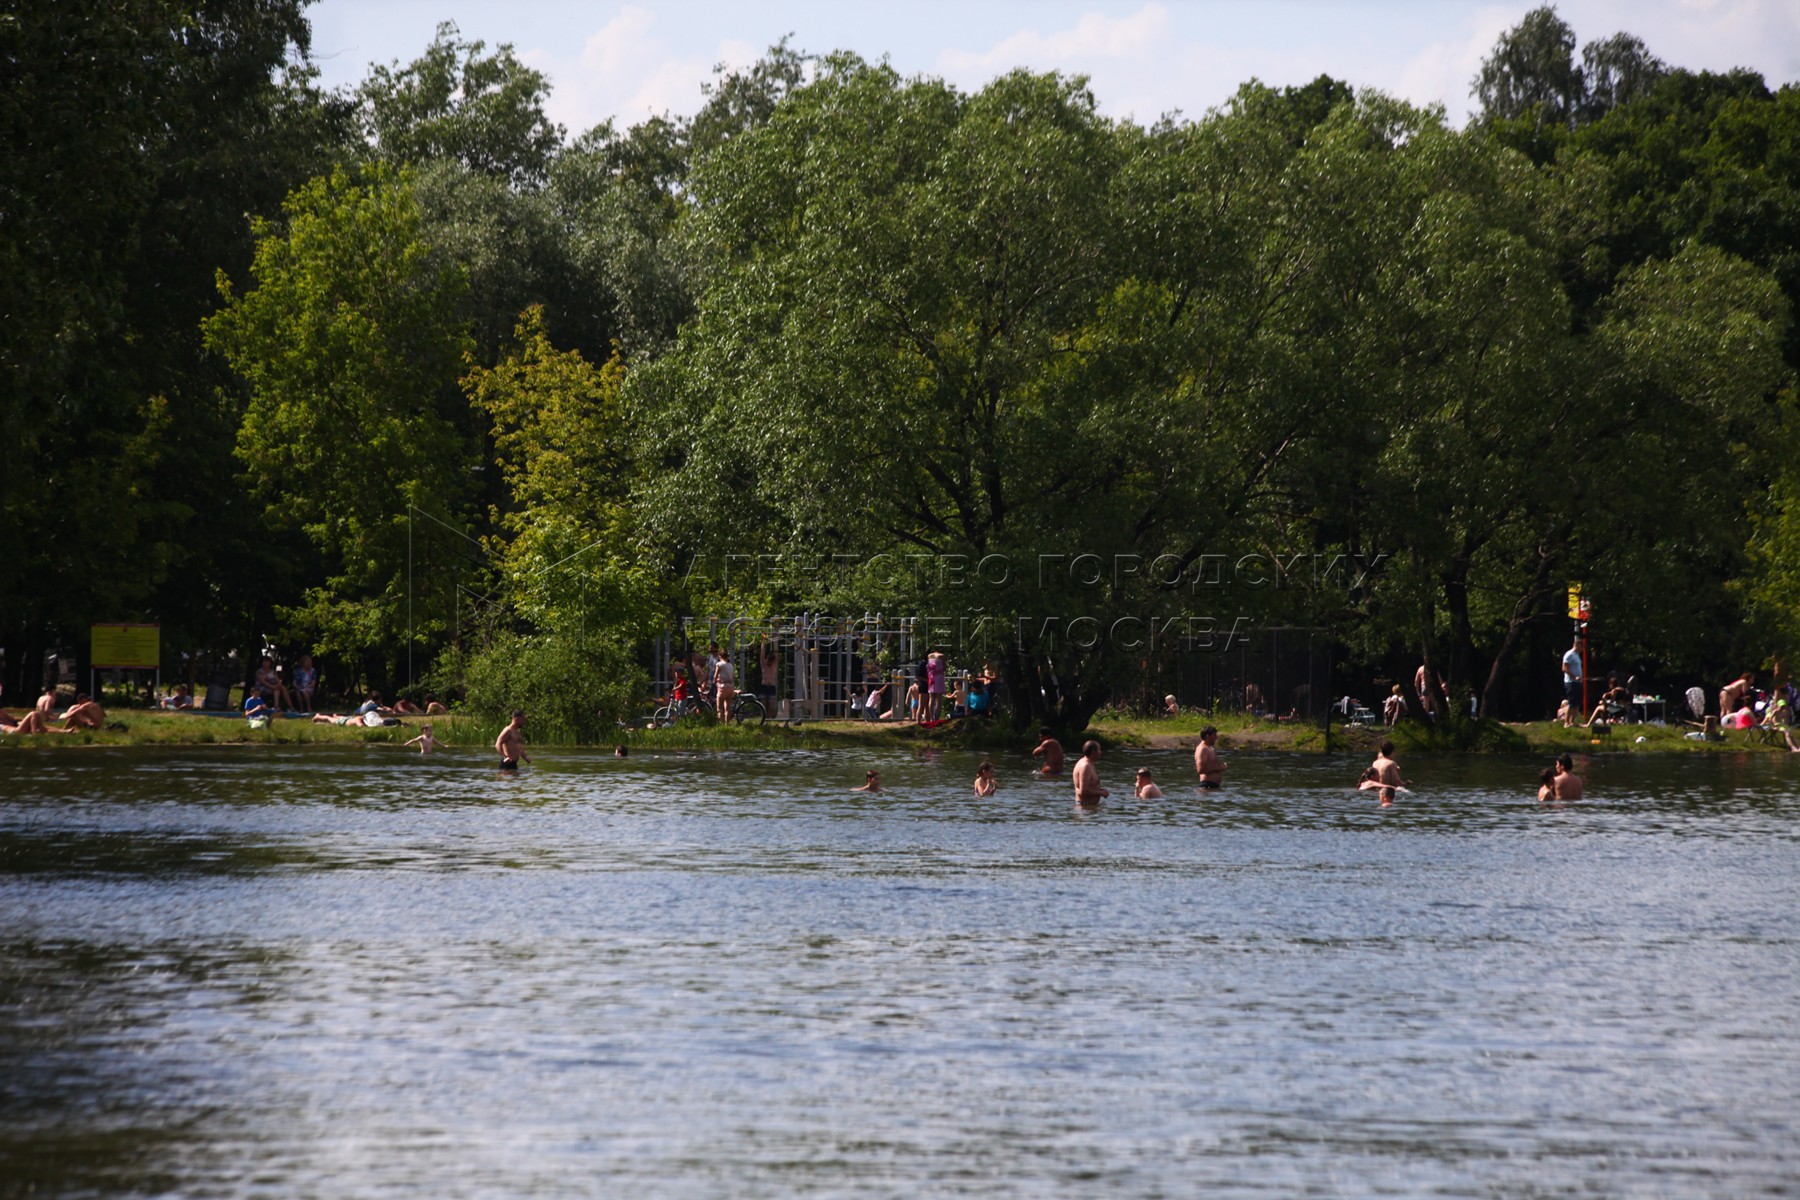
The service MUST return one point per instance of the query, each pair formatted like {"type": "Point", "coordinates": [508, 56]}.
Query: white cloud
{"type": "Point", "coordinates": [1095, 36]}
{"type": "Point", "coordinates": [627, 70]}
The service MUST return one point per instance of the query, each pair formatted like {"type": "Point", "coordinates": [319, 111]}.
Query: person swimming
{"type": "Point", "coordinates": [1145, 786]}
{"type": "Point", "coordinates": [984, 779]}
{"type": "Point", "coordinates": [426, 743]}
{"type": "Point", "coordinates": [871, 783]}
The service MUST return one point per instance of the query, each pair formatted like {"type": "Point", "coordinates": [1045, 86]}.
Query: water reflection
{"type": "Point", "coordinates": [321, 971]}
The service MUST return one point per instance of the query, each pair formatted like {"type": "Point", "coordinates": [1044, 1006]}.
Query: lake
{"type": "Point", "coordinates": [345, 971]}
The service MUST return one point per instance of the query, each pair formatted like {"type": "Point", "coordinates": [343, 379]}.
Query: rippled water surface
{"type": "Point", "coordinates": [348, 972]}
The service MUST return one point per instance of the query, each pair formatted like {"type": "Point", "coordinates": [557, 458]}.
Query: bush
{"type": "Point", "coordinates": [573, 689]}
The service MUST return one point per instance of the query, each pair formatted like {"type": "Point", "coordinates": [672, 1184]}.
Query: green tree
{"type": "Point", "coordinates": [1531, 73]}
{"type": "Point", "coordinates": [137, 135]}
{"type": "Point", "coordinates": [349, 347]}
{"type": "Point", "coordinates": [485, 111]}
{"type": "Point", "coordinates": [579, 594]}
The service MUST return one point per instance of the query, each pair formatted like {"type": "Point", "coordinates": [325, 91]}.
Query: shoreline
{"type": "Point", "coordinates": [145, 727]}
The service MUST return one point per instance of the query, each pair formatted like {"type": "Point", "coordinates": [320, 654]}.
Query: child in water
{"type": "Point", "coordinates": [1546, 784]}
{"type": "Point", "coordinates": [984, 779]}
{"type": "Point", "coordinates": [425, 742]}
{"type": "Point", "coordinates": [1146, 787]}
{"type": "Point", "coordinates": [872, 783]}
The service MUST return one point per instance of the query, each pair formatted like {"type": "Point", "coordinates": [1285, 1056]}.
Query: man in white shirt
{"type": "Point", "coordinates": [1571, 667]}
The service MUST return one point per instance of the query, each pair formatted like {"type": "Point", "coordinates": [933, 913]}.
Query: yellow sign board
{"type": "Point", "coordinates": [127, 646]}
{"type": "Point", "coordinates": [1578, 605]}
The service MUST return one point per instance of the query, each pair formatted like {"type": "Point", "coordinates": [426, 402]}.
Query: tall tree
{"type": "Point", "coordinates": [1531, 73]}
{"type": "Point", "coordinates": [457, 102]}
{"type": "Point", "coordinates": [138, 134]}
{"type": "Point", "coordinates": [350, 346]}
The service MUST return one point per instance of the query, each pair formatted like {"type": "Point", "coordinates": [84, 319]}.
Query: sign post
{"type": "Point", "coordinates": [135, 647]}
{"type": "Point", "coordinates": [1579, 611]}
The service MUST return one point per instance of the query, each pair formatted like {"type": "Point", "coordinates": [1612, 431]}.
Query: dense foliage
{"type": "Point", "coordinates": [465, 392]}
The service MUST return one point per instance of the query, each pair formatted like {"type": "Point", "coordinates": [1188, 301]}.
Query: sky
{"type": "Point", "coordinates": [1144, 58]}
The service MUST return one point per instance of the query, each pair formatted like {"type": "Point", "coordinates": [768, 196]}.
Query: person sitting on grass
{"type": "Point", "coordinates": [31, 722]}
{"type": "Point", "coordinates": [268, 682]}
{"type": "Point", "coordinates": [85, 713]}
{"type": "Point", "coordinates": [1774, 720]}
{"type": "Point", "coordinates": [179, 699]}
{"type": "Point", "coordinates": [255, 707]}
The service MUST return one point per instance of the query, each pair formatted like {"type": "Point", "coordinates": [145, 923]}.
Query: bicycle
{"type": "Point", "coordinates": [675, 710]}
{"type": "Point", "coordinates": [746, 707]}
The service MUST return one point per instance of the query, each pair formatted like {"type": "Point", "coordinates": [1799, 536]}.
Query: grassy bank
{"type": "Point", "coordinates": [1236, 733]}
{"type": "Point", "coordinates": [143, 727]}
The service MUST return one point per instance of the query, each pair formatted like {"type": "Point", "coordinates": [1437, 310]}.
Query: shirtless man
{"type": "Point", "coordinates": [1088, 792]}
{"type": "Point", "coordinates": [871, 782]}
{"type": "Point", "coordinates": [46, 703]}
{"type": "Point", "coordinates": [1567, 783]}
{"type": "Point", "coordinates": [724, 679]}
{"type": "Point", "coordinates": [510, 745]}
{"type": "Point", "coordinates": [1145, 787]}
{"type": "Point", "coordinates": [1387, 771]}
{"type": "Point", "coordinates": [83, 714]}
{"type": "Point", "coordinates": [1207, 763]}
{"type": "Point", "coordinates": [1052, 751]}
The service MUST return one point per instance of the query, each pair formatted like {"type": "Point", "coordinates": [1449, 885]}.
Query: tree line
{"type": "Point", "coordinates": [408, 376]}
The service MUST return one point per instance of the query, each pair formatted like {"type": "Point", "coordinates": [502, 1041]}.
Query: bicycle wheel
{"type": "Point", "coordinates": [748, 708]}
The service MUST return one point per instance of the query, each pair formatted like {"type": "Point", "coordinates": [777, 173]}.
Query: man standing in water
{"type": "Point", "coordinates": [510, 745]}
{"type": "Point", "coordinates": [1387, 771]}
{"type": "Point", "coordinates": [1566, 783]}
{"type": "Point", "coordinates": [1207, 763]}
{"type": "Point", "coordinates": [1088, 792]}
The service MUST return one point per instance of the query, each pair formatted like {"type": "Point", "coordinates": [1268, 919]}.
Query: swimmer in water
{"type": "Point", "coordinates": [1387, 796]}
{"type": "Point", "coordinates": [1546, 785]}
{"type": "Point", "coordinates": [1088, 792]}
{"type": "Point", "coordinates": [1567, 784]}
{"type": "Point", "coordinates": [425, 742]}
{"type": "Point", "coordinates": [510, 745]}
{"type": "Point", "coordinates": [1145, 786]}
{"type": "Point", "coordinates": [1052, 751]}
{"type": "Point", "coordinates": [871, 783]}
{"type": "Point", "coordinates": [1207, 763]}
{"type": "Point", "coordinates": [984, 780]}
{"type": "Point", "coordinates": [1387, 771]}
